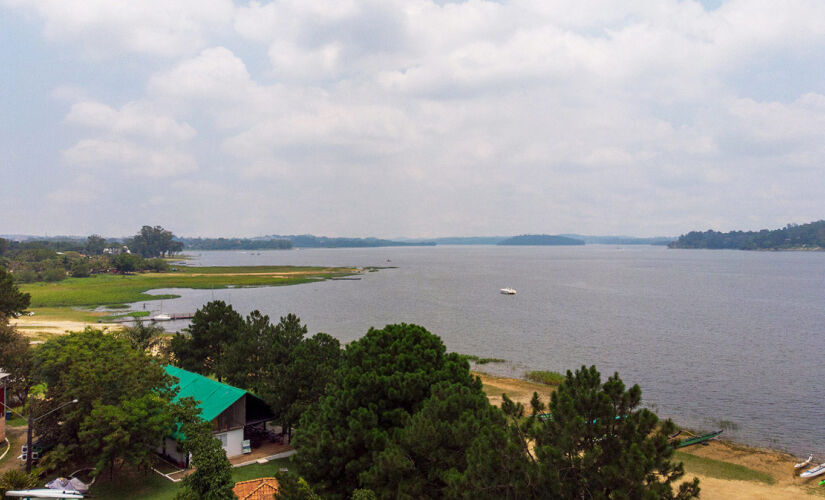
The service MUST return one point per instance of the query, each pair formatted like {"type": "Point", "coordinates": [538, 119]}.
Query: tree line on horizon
{"type": "Point", "coordinates": [792, 236]}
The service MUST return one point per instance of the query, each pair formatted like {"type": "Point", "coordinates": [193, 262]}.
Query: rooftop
{"type": "Point", "coordinates": [256, 489]}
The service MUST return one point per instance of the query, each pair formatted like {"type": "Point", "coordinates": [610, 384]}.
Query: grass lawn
{"type": "Point", "coordinates": [721, 470]}
{"type": "Point", "coordinates": [155, 487]}
{"type": "Point", "coordinates": [107, 289]}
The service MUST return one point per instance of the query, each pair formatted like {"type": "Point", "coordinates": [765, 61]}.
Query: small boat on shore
{"type": "Point", "coordinates": [816, 471]}
{"type": "Point", "coordinates": [508, 291]}
{"type": "Point", "coordinates": [803, 464]}
{"type": "Point", "coordinates": [698, 439]}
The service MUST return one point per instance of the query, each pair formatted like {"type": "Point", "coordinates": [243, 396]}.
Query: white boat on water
{"type": "Point", "coordinates": [816, 471]}
{"type": "Point", "coordinates": [162, 317]}
{"type": "Point", "coordinates": [508, 291]}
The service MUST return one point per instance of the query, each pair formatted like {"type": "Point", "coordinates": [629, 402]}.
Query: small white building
{"type": "Point", "coordinates": [230, 409]}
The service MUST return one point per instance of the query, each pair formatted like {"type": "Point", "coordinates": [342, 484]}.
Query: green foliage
{"type": "Point", "coordinates": [293, 487]}
{"type": "Point", "coordinates": [154, 242]}
{"type": "Point", "coordinates": [81, 269]}
{"type": "Point", "coordinates": [142, 336]}
{"type": "Point", "coordinates": [123, 399]}
{"type": "Point", "coordinates": [235, 244]}
{"type": "Point", "coordinates": [364, 494]}
{"type": "Point", "coordinates": [481, 361]}
{"type": "Point", "coordinates": [545, 377]}
{"type": "Point", "coordinates": [811, 235]}
{"type": "Point", "coordinates": [127, 263]}
{"type": "Point", "coordinates": [598, 444]}
{"type": "Point", "coordinates": [722, 470]}
{"type": "Point", "coordinates": [430, 451]}
{"type": "Point", "coordinates": [16, 360]}
{"type": "Point", "coordinates": [95, 245]}
{"type": "Point", "coordinates": [213, 329]}
{"type": "Point", "coordinates": [540, 239]}
{"type": "Point", "coordinates": [212, 479]}
{"type": "Point", "coordinates": [279, 364]}
{"type": "Point", "coordinates": [113, 289]}
{"type": "Point", "coordinates": [12, 300]}
{"type": "Point", "coordinates": [16, 479]}
{"type": "Point", "coordinates": [125, 433]}
{"type": "Point", "coordinates": [385, 378]}
{"type": "Point", "coordinates": [157, 265]}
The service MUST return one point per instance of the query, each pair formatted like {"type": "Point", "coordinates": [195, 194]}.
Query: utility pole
{"type": "Point", "coordinates": [29, 437]}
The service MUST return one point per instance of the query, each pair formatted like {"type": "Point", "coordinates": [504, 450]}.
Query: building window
{"type": "Point", "coordinates": [223, 439]}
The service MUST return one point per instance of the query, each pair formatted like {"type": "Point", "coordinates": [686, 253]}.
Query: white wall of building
{"type": "Point", "coordinates": [232, 442]}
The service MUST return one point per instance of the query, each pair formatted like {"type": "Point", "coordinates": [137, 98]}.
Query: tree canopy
{"type": "Point", "coordinates": [16, 360]}
{"type": "Point", "coordinates": [12, 300]}
{"type": "Point", "coordinates": [213, 328]}
{"type": "Point", "coordinates": [123, 395]}
{"type": "Point", "coordinates": [811, 235]}
{"type": "Point", "coordinates": [154, 242]}
{"type": "Point", "coordinates": [384, 380]}
{"type": "Point", "coordinates": [593, 442]}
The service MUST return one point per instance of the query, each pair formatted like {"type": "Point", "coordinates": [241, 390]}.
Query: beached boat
{"type": "Point", "coordinates": [803, 464]}
{"type": "Point", "coordinates": [816, 471]}
{"type": "Point", "coordinates": [508, 291]}
{"type": "Point", "coordinates": [698, 439]}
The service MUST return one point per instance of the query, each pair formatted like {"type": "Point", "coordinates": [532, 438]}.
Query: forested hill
{"type": "Point", "coordinates": [235, 244]}
{"type": "Point", "coordinates": [790, 237]}
{"type": "Point", "coordinates": [540, 239]}
{"type": "Point", "coordinates": [312, 241]}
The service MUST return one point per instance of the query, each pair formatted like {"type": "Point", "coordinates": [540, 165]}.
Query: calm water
{"type": "Point", "coordinates": [710, 336]}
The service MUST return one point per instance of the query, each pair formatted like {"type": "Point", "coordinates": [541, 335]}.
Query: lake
{"type": "Point", "coordinates": [715, 338]}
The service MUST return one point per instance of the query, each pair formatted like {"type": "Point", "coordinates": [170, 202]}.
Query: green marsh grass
{"type": "Point", "coordinates": [721, 470]}
{"type": "Point", "coordinates": [105, 289]}
{"type": "Point", "coordinates": [545, 377]}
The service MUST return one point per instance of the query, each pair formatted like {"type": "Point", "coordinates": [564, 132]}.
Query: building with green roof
{"type": "Point", "coordinates": [230, 409]}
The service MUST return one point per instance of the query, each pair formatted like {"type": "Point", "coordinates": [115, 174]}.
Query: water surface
{"type": "Point", "coordinates": [710, 336]}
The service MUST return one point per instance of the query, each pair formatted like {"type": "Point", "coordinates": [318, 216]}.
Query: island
{"type": "Point", "coordinates": [540, 239]}
{"type": "Point", "coordinates": [809, 236]}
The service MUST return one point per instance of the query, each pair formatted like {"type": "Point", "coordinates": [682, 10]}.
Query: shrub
{"type": "Point", "coordinates": [545, 377]}
{"type": "Point", "coordinates": [80, 269]}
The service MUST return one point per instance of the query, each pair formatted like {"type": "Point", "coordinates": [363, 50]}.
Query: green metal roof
{"type": "Point", "coordinates": [213, 397]}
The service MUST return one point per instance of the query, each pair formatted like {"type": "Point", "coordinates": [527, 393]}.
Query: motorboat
{"type": "Point", "coordinates": [508, 291]}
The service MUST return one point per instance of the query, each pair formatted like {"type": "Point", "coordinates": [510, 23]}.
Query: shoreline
{"type": "Point", "coordinates": [726, 469]}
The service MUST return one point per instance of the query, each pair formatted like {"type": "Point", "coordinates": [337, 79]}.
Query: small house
{"type": "Point", "coordinates": [233, 412]}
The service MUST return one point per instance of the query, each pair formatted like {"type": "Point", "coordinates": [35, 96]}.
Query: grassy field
{"type": "Point", "coordinates": [721, 470]}
{"type": "Point", "coordinates": [117, 289]}
{"type": "Point", "coordinates": [154, 487]}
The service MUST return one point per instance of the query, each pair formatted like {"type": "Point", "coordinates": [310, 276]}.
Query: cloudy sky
{"type": "Point", "coordinates": [410, 118]}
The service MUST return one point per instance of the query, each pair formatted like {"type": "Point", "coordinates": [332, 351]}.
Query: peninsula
{"type": "Point", "coordinates": [809, 236]}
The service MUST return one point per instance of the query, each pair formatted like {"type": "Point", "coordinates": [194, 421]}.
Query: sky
{"type": "Point", "coordinates": [410, 118]}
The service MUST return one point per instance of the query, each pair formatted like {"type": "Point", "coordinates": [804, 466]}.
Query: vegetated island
{"type": "Point", "coordinates": [809, 236]}
{"type": "Point", "coordinates": [541, 239]}
{"type": "Point", "coordinates": [279, 242]}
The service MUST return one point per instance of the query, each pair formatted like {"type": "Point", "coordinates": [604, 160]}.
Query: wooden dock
{"type": "Point", "coordinates": [172, 317]}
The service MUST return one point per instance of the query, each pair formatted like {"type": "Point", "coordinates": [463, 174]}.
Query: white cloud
{"type": "Point", "coordinates": [129, 158]}
{"type": "Point", "coordinates": [154, 27]}
{"type": "Point", "coordinates": [609, 115]}
{"type": "Point", "coordinates": [131, 119]}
